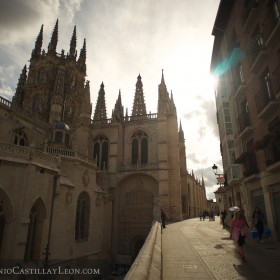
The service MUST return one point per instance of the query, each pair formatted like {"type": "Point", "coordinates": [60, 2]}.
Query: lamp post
{"type": "Point", "coordinates": [220, 181]}
{"type": "Point", "coordinates": [220, 178]}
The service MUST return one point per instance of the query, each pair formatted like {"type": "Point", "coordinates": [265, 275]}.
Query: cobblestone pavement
{"type": "Point", "coordinates": [194, 249]}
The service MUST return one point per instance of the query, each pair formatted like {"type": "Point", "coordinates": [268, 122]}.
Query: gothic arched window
{"type": "Point", "coordinates": [20, 138]}
{"type": "Point", "coordinates": [40, 76]}
{"type": "Point", "coordinates": [82, 217]}
{"type": "Point", "coordinates": [139, 148]}
{"type": "Point", "coordinates": [36, 104]}
{"type": "Point", "coordinates": [67, 140]}
{"type": "Point", "coordinates": [58, 137]}
{"type": "Point", "coordinates": [36, 218]}
{"type": "Point", "coordinates": [101, 151]}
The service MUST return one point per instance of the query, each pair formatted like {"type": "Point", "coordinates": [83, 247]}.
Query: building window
{"type": "Point", "coordinates": [101, 152]}
{"type": "Point", "coordinates": [58, 138]}
{"type": "Point", "coordinates": [20, 138]}
{"type": "Point", "coordinates": [276, 10]}
{"type": "Point", "coordinates": [139, 148]}
{"type": "Point", "coordinates": [259, 39]}
{"type": "Point", "coordinates": [227, 118]}
{"type": "Point", "coordinates": [41, 74]}
{"type": "Point", "coordinates": [257, 42]}
{"type": "Point", "coordinates": [82, 217]}
{"type": "Point", "coordinates": [241, 74]}
{"type": "Point", "coordinates": [36, 104]}
{"type": "Point", "coordinates": [231, 151]}
{"type": "Point", "coordinates": [36, 218]}
{"type": "Point", "coordinates": [267, 83]}
{"type": "Point", "coordinates": [67, 140]}
{"type": "Point", "coordinates": [134, 151]}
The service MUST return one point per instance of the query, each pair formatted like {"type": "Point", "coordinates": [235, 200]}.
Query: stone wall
{"type": "Point", "coordinates": [148, 263]}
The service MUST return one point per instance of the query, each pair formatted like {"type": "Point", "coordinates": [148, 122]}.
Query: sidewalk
{"type": "Point", "coordinates": [194, 249]}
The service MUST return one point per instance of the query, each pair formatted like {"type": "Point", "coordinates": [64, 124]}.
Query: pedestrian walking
{"type": "Point", "coordinates": [223, 218]}
{"type": "Point", "coordinates": [258, 222]}
{"type": "Point", "coordinates": [238, 231]}
{"type": "Point", "coordinates": [163, 218]}
{"type": "Point", "coordinates": [200, 215]}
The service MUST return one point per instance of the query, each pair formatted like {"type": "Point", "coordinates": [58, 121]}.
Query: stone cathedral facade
{"type": "Point", "coordinates": [78, 183]}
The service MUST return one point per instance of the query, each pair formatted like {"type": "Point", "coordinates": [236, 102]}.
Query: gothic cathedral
{"type": "Point", "coordinates": [78, 183]}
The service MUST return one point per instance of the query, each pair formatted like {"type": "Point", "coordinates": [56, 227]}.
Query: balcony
{"type": "Point", "coordinates": [239, 86]}
{"type": "Point", "coordinates": [271, 29]}
{"type": "Point", "coordinates": [233, 174]}
{"type": "Point", "coordinates": [272, 150]}
{"type": "Point", "coordinates": [245, 127]}
{"type": "Point", "coordinates": [249, 16]}
{"type": "Point", "coordinates": [257, 54]}
{"type": "Point", "coordinates": [265, 102]}
{"type": "Point", "coordinates": [248, 159]}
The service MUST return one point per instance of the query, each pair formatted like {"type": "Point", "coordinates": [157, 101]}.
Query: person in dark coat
{"type": "Point", "coordinates": [223, 217]}
{"type": "Point", "coordinates": [258, 222]}
{"type": "Point", "coordinates": [163, 218]}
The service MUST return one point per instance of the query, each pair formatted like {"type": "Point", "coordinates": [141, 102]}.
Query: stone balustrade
{"type": "Point", "coordinates": [28, 154]}
{"type": "Point", "coordinates": [50, 156]}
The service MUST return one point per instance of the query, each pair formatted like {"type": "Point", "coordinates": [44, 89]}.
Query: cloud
{"type": "Point", "coordinates": [20, 19]}
{"type": "Point", "coordinates": [69, 9]}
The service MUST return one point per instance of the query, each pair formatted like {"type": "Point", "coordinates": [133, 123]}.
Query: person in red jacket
{"type": "Point", "coordinates": [239, 230]}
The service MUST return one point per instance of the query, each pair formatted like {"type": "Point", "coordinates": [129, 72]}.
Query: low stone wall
{"type": "Point", "coordinates": [147, 265]}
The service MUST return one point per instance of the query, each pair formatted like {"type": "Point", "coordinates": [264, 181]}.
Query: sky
{"type": "Point", "coordinates": [125, 38]}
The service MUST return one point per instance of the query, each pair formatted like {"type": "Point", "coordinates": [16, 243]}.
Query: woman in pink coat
{"type": "Point", "coordinates": [239, 230]}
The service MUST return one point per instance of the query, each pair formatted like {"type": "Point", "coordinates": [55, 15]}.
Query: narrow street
{"type": "Point", "coordinates": [194, 249]}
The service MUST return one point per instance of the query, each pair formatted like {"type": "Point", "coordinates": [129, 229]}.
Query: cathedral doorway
{"type": "Point", "coordinates": [36, 218]}
{"type": "Point", "coordinates": [136, 206]}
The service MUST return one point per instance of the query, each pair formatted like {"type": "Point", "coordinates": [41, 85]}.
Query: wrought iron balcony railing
{"type": "Point", "coordinates": [244, 121]}
{"type": "Point", "coordinates": [271, 28]}
{"type": "Point", "coordinates": [264, 96]}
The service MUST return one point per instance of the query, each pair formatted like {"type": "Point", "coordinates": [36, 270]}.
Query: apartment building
{"type": "Point", "coordinates": [246, 62]}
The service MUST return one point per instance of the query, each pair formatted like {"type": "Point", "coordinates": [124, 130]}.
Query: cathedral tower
{"type": "Point", "coordinates": [55, 89]}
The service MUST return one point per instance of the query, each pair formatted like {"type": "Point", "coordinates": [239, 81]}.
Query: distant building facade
{"type": "Point", "coordinates": [74, 185]}
{"type": "Point", "coordinates": [246, 61]}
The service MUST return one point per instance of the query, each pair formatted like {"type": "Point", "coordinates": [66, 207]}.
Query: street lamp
{"type": "Point", "coordinates": [220, 178]}
{"type": "Point", "coordinates": [220, 181]}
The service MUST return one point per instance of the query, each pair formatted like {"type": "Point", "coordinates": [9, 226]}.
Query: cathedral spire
{"type": "Point", "coordinates": [100, 109]}
{"type": "Point", "coordinates": [19, 95]}
{"type": "Point", "coordinates": [82, 58]}
{"type": "Point", "coordinates": [166, 104]}
{"type": "Point", "coordinates": [118, 111]}
{"type": "Point", "coordinates": [38, 44]}
{"type": "Point", "coordinates": [162, 78]}
{"type": "Point", "coordinates": [54, 39]}
{"type": "Point", "coordinates": [163, 97]}
{"type": "Point", "coordinates": [73, 44]}
{"type": "Point", "coordinates": [181, 133]}
{"type": "Point", "coordinates": [172, 105]}
{"type": "Point", "coordinates": [202, 181]}
{"type": "Point", "coordinates": [86, 106]}
{"type": "Point", "coordinates": [139, 106]}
